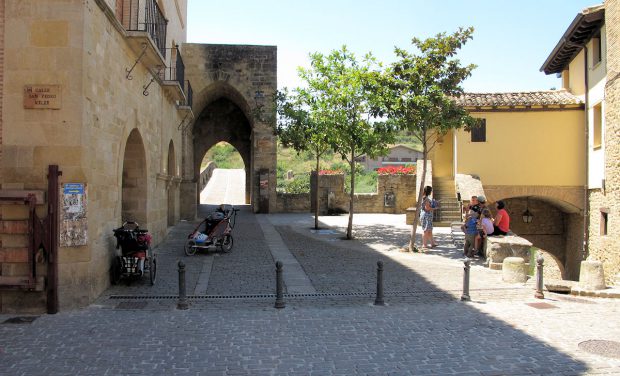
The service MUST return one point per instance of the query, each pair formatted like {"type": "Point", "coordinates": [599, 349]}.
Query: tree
{"type": "Point", "coordinates": [340, 94]}
{"type": "Point", "coordinates": [417, 92]}
{"type": "Point", "coordinates": [302, 130]}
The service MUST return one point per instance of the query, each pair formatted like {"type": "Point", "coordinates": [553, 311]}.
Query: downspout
{"type": "Point", "coordinates": [586, 210]}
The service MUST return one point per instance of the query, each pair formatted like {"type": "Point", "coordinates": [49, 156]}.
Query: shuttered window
{"type": "Point", "coordinates": [479, 133]}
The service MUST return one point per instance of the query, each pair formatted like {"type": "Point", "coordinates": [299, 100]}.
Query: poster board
{"type": "Point", "coordinates": [73, 221]}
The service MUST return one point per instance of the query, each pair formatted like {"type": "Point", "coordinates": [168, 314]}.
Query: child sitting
{"type": "Point", "coordinates": [470, 229]}
{"type": "Point", "coordinates": [485, 228]}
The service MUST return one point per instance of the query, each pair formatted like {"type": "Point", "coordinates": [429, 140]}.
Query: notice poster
{"type": "Point", "coordinates": [73, 224]}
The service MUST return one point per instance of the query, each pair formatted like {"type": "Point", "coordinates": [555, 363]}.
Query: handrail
{"type": "Point", "coordinates": [144, 15]}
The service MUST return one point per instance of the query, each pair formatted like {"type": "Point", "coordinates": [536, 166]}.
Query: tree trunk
{"type": "Point", "coordinates": [316, 194]}
{"type": "Point", "coordinates": [418, 207]}
{"type": "Point", "coordinates": [350, 225]}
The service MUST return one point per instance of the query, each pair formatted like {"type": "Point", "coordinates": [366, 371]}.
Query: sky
{"type": "Point", "coordinates": [511, 41]}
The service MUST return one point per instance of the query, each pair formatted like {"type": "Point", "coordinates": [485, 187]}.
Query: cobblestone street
{"type": "Point", "coordinates": [232, 328]}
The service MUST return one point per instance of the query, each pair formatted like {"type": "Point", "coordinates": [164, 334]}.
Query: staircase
{"type": "Point", "coordinates": [449, 208]}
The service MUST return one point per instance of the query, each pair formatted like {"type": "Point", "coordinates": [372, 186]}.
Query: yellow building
{"type": "Point", "coordinates": [553, 153]}
{"type": "Point", "coordinates": [528, 152]}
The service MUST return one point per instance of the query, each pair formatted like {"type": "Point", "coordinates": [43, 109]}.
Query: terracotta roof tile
{"type": "Point", "coordinates": [531, 98]}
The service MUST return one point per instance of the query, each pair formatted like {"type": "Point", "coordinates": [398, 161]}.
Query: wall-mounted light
{"type": "Point", "coordinates": [527, 215]}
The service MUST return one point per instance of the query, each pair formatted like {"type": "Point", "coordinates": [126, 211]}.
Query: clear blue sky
{"type": "Point", "coordinates": [512, 38]}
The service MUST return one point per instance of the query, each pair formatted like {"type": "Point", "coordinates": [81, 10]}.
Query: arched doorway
{"type": "Point", "coordinates": [222, 120]}
{"type": "Point", "coordinates": [223, 176]}
{"type": "Point", "coordinates": [556, 227]}
{"type": "Point", "coordinates": [134, 191]}
{"type": "Point", "coordinates": [172, 187]}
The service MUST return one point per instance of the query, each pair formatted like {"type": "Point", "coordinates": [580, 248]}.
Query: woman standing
{"type": "Point", "coordinates": [426, 217]}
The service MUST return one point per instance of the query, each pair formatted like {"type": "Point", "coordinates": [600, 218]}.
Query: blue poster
{"type": "Point", "coordinates": [73, 188]}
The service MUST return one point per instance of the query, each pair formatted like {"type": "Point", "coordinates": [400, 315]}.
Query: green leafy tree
{"type": "Point", "coordinates": [302, 129]}
{"type": "Point", "coordinates": [417, 92]}
{"type": "Point", "coordinates": [340, 92]}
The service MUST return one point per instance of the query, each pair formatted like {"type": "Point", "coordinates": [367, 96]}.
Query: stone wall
{"type": "Point", "coordinates": [334, 199]}
{"type": "Point", "coordinates": [81, 46]}
{"type": "Point", "coordinates": [606, 248]}
{"type": "Point", "coordinates": [552, 229]}
{"type": "Point", "coordinates": [293, 202]}
{"type": "Point", "coordinates": [233, 86]}
{"type": "Point", "coordinates": [205, 175]}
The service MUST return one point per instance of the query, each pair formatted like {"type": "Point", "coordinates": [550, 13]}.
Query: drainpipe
{"type": "Point", "coordinates": [586, 210]}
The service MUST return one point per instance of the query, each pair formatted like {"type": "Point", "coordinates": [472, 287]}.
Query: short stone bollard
{"type": "Point", "coordinates": [513, 270]}
{"type": "Point", "coordinates": [466, 270]}
{"type": "Point", "coordinates": [279, 286]}
{"type": "Point", "coordinates": [539, 276]}
{"type": "Point", "coordinates": [182, 303]}
{"type": "Point", "coordinates": [379, 298]}
{"type": "Point", "coordinates": [591, 275]}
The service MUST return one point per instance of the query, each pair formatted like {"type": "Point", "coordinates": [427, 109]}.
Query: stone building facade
{"type": "Point", "coordinates": [103, 90]}
{"type": "Point", "coordinates": [604, 202]}
{"type": "Point", "coordinates": [111, 124]}
{"type": "Point", "coordinates": [233, 89]}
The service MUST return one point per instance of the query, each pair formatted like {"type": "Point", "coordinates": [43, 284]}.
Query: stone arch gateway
{"type": "Point", "coordinates": [233, 86]}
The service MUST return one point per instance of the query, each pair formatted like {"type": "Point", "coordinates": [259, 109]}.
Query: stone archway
{"type": "Point", "coordinates": [134, 183]}
{"type": "Point", "coordinates": [233, 86]}
{"type": "Point", "coordinates": [223, 120]}
{"type": "Point", "coordinates": [556, 227]}
{"type": "Point", "coordinates": [172, 188]}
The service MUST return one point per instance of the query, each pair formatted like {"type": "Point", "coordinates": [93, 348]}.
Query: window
{"type": "Point", "coordinates": [479, 132]}
{"type": "Point", "coordinates": [596, 49]}
{"type": "Point", "coordinates": [597, 126]}
{"type": "Point", "coordinates": [604, 219]}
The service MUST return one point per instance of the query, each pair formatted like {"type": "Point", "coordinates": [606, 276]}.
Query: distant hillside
{"type": "Point", "coordinates": [226, 156]}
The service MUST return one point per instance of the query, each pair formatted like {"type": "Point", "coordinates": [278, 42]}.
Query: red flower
{"type": "Point", "coordinates": [397, 170]}
{"type": "Point", "coordinates": [330, 172]}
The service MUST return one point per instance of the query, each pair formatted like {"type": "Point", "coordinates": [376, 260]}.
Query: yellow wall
{"type": "Point", "coordinates": [441, 155]}
{"type": "Point", "coordinates": [524, 148]}
{"type": "Point", "coordinates": [576, 76]}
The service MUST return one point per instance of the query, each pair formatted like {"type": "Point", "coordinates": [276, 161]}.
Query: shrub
{"type": "Point", "coordinates": [397, 170]}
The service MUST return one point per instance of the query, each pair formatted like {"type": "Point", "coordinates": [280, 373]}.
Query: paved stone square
{"type": "Point", "coordinates": [232, 328]}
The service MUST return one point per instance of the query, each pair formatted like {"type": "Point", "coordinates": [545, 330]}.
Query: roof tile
{"type": "Point", "coordinates": [531, 98]}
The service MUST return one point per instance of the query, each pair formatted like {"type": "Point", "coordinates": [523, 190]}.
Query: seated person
{"type": "Point", "coordinates": [485, 228]}
{"type": "Point", "coordinates": [501, 224]}
{"type": "Point", "coordinates": [470, 229]}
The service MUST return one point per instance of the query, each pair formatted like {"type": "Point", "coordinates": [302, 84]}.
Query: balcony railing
{"type": "Point", "coordinates": [175, 69]}
{"type": "Point", "coordinates": [144, 15]}
{"type": "Point", "coordinates": [188, 94]}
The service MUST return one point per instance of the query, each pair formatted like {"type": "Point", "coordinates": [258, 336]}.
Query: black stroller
{"type": "Point", "coordinates": [137, 257]}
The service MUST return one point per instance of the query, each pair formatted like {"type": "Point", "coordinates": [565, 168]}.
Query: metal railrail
{"type": "Point", "coordinates": [189, 93]}
{"type": "Point", "coordinates": [144, 15]}
{"type": "Point", "coordinates": [175, 69]}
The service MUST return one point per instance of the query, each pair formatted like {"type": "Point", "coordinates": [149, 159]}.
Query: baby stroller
{"type": "Point", "coordinates": [217, 231]}
{"type": "Point", "coordinates": [136, 257]}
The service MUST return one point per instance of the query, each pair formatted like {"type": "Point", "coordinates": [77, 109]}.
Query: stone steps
{"type": "Point", "coordinates": [449, 208]}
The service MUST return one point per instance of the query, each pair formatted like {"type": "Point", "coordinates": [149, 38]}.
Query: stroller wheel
{"type": "Point", "coordinates": [190, 247]}
{"type": "Point", "coordinates": [115, 271]}
{"type": "Point", "coordinates": [152, 267]}
{"type": "Point", "coordinates": [227, 243]}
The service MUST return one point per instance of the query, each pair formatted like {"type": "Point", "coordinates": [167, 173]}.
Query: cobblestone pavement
{"type": "Point", "coordinates": [231, 327]}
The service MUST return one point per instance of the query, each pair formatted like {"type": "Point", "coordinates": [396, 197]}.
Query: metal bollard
{"type": "Point", "coordinates": [540, 260]}
{"type": "Point", "coordinates": [182, 303]}
{"type": "Point", "coordinates": [279, 286]}
{"type": "Point", "coordinates": [465, 295]}
{"type": "Point", "coordinates": [379, 298]}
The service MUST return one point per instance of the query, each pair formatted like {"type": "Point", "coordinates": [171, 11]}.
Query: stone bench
{"type": "Point", "coordinates": [497, 248]}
